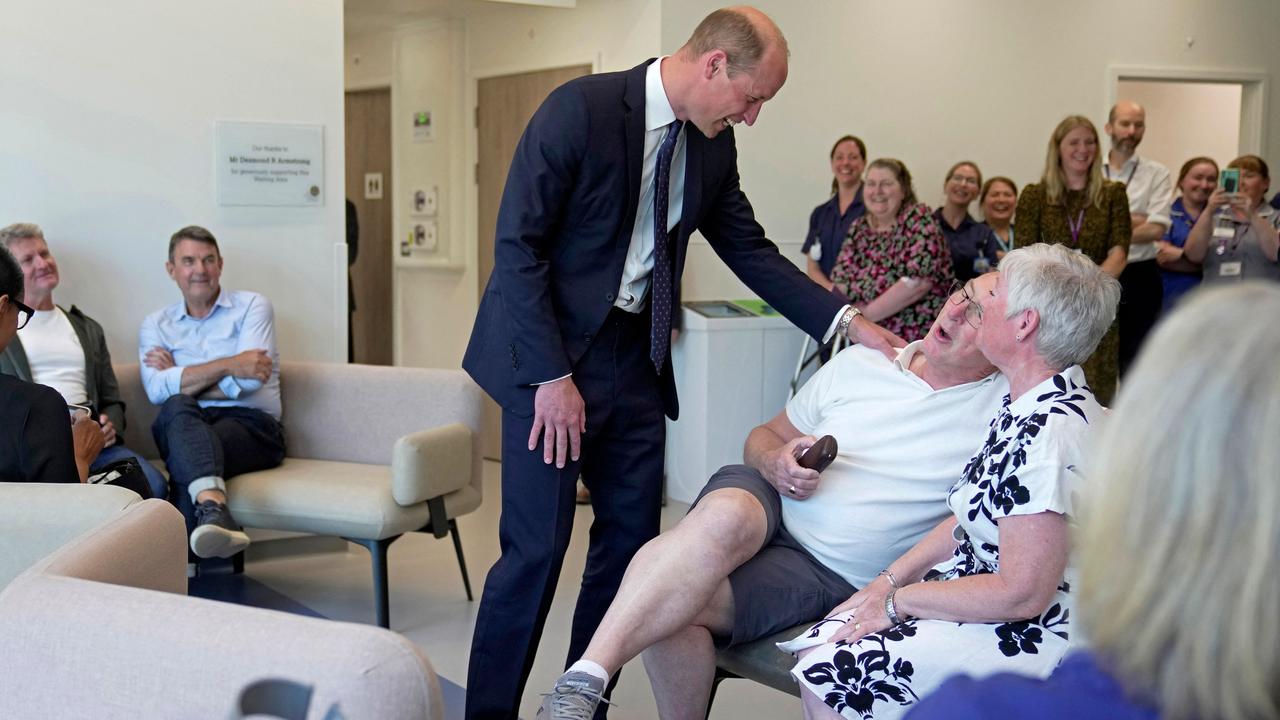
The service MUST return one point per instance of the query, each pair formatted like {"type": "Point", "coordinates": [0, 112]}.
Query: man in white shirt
{"type": "Point", "coordinates": [1150, 189]}
{"type": "Point", "coordinates": [210, 362]}
{"type": "Point", "coordinates": [67, 351]}
{"type": "Point", "coordinates": [769, 544]}
{"type": "Point", "coordinates": [612, 176]}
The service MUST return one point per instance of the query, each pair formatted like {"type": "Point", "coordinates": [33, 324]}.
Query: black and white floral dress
{"type": "Point", "coordinates": [1029, 464]}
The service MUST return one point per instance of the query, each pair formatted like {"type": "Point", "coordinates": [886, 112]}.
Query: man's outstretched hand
{"type": "Point", "coordinates": [560, 417]}
{"type": "Point", "coordinates": [865, 332]}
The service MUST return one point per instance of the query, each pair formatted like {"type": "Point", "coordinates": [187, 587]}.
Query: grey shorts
{"type": "Point", "coordinates": [783, 585]}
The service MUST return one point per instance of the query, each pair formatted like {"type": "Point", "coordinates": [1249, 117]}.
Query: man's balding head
{"type": "Point", "coordinates": [1126, 124]}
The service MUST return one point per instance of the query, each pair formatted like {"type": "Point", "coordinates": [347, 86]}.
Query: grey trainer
{"type": "Point", "coordinates": [574, 697]}
{"type": "Point", "coordinates": [216, 533]}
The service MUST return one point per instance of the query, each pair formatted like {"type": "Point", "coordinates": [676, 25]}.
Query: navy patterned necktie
{"type": "Point", "coordinates": [660, 287]}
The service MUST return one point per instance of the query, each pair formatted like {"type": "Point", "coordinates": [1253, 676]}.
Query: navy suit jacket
{"type": "Point", "coordinates": [564, 227]}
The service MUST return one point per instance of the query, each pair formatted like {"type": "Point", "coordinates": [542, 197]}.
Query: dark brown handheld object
{"type": "Point", "coordinates": [820, 454]}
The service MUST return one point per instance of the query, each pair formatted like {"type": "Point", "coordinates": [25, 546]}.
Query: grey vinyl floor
{"type": "Point", "coordinates": [429, 607]}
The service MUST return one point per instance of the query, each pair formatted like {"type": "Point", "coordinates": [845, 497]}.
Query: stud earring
{"type": "Point", "coordinates": [1017, 338]}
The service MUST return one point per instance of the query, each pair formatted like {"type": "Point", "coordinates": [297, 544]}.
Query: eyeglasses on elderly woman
{"type": "Point", "coordinates": [959, 295]}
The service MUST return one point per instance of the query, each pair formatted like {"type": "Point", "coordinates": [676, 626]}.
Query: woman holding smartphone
{"type": "Point", "coordinates": [1237, 237]}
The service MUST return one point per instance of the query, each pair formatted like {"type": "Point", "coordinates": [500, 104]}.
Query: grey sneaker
{"type": "Point", "coordinates": [216, 533]}
{"type": "Point", "coordinates": [574, 697]}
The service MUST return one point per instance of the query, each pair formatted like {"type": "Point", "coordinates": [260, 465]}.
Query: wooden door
{"type": "Point", "coordinates": [368, 151]}
{"type": "Point", "coordinates": [504, 107]}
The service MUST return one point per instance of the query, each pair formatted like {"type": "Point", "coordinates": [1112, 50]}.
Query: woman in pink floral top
{"type": "Point", "coordinates": [895, 265]}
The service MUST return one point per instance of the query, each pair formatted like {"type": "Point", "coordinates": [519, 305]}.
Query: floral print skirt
{"type": "Point", "coordinates": [885, 673]}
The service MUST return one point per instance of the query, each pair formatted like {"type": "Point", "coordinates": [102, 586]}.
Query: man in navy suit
{"type": "Point", "coordinates": [613, 174]}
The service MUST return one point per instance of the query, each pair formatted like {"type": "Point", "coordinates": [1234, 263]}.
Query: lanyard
{"type": "Point", "coordinates": [1004, 246]}
{"type": "Point", "coordinates": [1076, 227]}
{"type": "Point", "coordinates": [1106, 167]}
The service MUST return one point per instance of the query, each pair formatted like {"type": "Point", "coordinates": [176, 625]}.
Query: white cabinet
{"type": "Point", "coordinates": [732, 374]}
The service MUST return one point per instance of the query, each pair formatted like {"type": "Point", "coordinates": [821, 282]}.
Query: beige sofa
{"type": "Point", "coordinates": [371, 453]}
{"type": "Point", "coordinates": [99, 625]}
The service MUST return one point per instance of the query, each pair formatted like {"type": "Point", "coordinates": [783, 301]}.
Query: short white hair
{"type": "Point", "coordinates": [20, 231]}
{"type": "Point", "coordinates": [1180, 534]}
{"type": "Point", "coordinates": [1075, 299]}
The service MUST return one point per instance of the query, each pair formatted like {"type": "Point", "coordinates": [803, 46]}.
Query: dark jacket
{"type": "Point", "coordinates": [564, 227]}
{"type": "Point", "coordinates": [99, 379]}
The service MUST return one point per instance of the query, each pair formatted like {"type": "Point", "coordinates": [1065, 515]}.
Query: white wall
{"type": "Point", "coordinates": [932, 83]}
{"type": "Point", "coordinates": [927, 82]}
{"type": "Point", "coordinates": [1185, 120]}
{"type": "Point", "coordinates": [108, 130]}
{"type": "Point", "coordinates": [434, 64]}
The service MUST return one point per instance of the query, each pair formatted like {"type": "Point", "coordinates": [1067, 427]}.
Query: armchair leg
{"type": "Point", "coordinates": [378, 555]}
{"type": "Point", "coordinates": [462, 561]}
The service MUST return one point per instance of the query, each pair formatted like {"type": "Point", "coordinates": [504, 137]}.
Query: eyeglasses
{"type": "Point", "coordinates": [24, 312]}
{"type": "Point", "coordinates": [973, 182]}
{"type": "Point", "coordinates": [973, 311]}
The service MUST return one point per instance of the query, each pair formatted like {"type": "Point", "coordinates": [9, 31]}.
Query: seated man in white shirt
{"type": "Point", "coordinates": [67, 351]}
{"type": "Point", "coordinates": [210, 362]}
{"type": "Point", "coordinates": [770, 544]}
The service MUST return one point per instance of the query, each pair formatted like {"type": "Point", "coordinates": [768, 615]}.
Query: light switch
{"type": "Point", "coordinates": [373, 186]}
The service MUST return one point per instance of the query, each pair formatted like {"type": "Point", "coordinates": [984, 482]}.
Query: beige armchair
{"type": "Point", "coordinates": [101, 627]}
{"type": "Point", "coordinates": [371, 453]}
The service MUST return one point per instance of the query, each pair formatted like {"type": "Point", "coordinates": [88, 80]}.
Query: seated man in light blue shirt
{"type": "Point", "coordinates": [210, 362]}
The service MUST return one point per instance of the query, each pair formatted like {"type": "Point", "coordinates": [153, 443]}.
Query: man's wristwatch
{"type": "Point", "coordinates": [842, 329]}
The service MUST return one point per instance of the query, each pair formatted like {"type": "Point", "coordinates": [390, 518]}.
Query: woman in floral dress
{"type": "Point", "coordinates": [895, 265]}
{"type": "Point", "coordinates": [987, 590]}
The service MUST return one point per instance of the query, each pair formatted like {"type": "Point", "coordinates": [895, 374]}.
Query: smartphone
{"type": "Point", "coordinates": [820, 454]}
{"type": "Point", "coordinates": [1229, 180]}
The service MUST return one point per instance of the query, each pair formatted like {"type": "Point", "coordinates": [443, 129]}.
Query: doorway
{"type": "Point", "coordinates": [1173, 134]}
{"type": "Point", "coordinates": [368, 187]}
{"type": "Point", "coordinates": [1190, 111]}
{"type": "Point", "coordinates": [504, 105]}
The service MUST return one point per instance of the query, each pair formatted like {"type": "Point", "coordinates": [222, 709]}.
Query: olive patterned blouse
{"type": "Point", "coordinates": [1100, 228]}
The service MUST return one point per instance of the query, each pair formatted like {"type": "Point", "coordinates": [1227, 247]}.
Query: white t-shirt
{"type": "Point", "coordinates": [54, 354]}
{"type": "Point", "coordinates": [902, 447]}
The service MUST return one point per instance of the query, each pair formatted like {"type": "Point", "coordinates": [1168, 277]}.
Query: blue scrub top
{"type": "Point", "coordinates": [1176, 284]}
{"type": "Point", "coordinates": [969, 242]}
{"type": "Point", "coordinates": [829, 228]}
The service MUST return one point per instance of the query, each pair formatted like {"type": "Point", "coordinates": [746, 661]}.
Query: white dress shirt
{"type": "Point", "coordinates": [1150, 189]}
{"type": "Point", "coordinates": [658, 115]}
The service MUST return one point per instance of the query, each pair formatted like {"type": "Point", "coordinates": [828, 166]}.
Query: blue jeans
{"type": "Point", "coordinates": [216, 442]}
{"type": "Point", "coordinates": [155, 478]}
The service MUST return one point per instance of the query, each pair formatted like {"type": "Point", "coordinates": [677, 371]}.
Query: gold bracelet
{"type": "Point", "coordinates": [842, 328]}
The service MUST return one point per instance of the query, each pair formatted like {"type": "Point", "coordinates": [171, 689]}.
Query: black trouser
{"type": "Point", "coordinates": [1142, 293]}
{"type": "Point", "coordinates": [621, 464]}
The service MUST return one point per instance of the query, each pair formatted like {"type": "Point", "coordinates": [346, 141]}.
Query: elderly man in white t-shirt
{"type": "Point", "coordinates": [770, 544]}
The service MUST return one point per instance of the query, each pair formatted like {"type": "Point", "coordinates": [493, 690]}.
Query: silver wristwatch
{"type": "Point", "coordinates": [889, 609]}
{"type": "Point", "coordinates": [842, 329]}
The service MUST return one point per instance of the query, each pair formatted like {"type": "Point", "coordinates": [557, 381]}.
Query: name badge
{"type": "Point", "coordinates": [981, 265]}
{"type": "Point", "coordinates": [1229, 269]}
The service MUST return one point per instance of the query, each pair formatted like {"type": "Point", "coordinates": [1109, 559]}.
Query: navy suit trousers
{"type": "Point", "coordinates": [621, 464]}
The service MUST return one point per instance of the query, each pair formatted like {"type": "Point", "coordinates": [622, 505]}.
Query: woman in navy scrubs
{"type": "Point", "coordinates": [829, 222]}
{"type": "Point", "coordinates": [973, 247]}
{"type": "Point", "coordinates": [999, 200]}
{"type": "Point", "coordinates": [1197, 181]}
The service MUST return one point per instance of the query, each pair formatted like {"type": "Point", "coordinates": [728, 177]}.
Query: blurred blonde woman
{"type": "Point", "coordinates": [1178, 596]}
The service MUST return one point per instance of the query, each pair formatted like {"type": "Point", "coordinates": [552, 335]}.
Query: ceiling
{"type": "Point", "coordinates": [371, 16]}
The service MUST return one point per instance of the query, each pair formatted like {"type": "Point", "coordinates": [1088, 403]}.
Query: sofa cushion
{"type": "Point", "coordinates": [38, 518]}
{"type": "Point", "coordinates": [325, 498]}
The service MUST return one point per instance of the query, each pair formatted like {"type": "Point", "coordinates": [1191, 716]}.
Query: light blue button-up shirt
{"type": "Point", "coordinates": [240, 320]}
